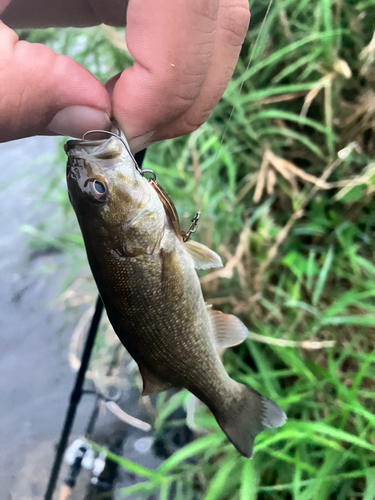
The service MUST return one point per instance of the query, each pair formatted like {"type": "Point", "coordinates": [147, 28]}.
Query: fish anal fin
{"type": "Point", "coordinates": [151, 384]}
{"type": "Point", "coordinates": [227, 329]}
{"type": "Point", "coordinates": [203, 257]}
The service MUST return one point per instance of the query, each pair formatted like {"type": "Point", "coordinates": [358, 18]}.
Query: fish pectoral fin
{"type": "Point", "coordinates": [152, 384]}
{"type": "Point", "coordinates": [227, 329]}
{"type": "Point", "coordinates": [203, 257]}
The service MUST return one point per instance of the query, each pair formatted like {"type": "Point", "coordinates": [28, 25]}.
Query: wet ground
{"type": "Point", "coordinates": [35, 377]}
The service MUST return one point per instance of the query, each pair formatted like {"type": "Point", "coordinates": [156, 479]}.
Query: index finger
{"type": "Point", "coordinates": [172, 44]}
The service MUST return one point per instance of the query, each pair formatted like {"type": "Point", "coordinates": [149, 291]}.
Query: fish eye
{"type": "Point", "coordinates": [99, 187]}
{"type": "Point", "coordinates": [98, 190]}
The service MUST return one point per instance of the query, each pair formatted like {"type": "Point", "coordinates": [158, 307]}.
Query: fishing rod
{"type": "Point", "coordinates": [75, 398]}
{"type": "Point", "coordinates": [80, 453]}
{"type": "Point", "coordinates": [78, 391]}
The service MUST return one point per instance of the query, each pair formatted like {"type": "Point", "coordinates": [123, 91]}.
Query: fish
{"type": "Point", "coordinates": [145, 270]}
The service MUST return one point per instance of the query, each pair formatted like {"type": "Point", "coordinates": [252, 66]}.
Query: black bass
{"type": "Point", "coordinates": [145, 275]}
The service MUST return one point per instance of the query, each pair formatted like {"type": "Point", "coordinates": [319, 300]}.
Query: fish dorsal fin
{"type": "Point", "coordinates": [203, 257]}
{"type": "Point", "coordinates": [151, 384]}
{"type": "Point", "coordinates": [169, 207]}
{"type": "Point", "coordinates": [227, 329]}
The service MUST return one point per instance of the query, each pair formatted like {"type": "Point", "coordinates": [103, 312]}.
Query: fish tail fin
{"type": "Point", "coordinates": [248, 415]}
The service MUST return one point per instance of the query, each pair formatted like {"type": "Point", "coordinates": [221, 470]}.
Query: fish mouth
{"type": "Point", "coordinates": [70, 145]}
{"type": "Point", "coordinates": [109, 148]}
{"type": "Point", "coordinates": [86, 145]}
{"type": "Point", "coordinates": [97, 138]}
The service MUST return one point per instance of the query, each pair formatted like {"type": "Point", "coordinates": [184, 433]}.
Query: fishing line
{"type": "Point", "coordinates": [239, 94]}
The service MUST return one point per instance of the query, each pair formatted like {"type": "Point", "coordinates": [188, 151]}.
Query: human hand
{"type": "Point", "coordinates": [185, 52]}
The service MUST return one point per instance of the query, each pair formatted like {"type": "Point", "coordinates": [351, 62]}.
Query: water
{"type": "Point", "coordinates": [35, 377]}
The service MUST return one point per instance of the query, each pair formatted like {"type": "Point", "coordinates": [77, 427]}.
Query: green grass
{"type": "Point", "coordinates": [318, 283]}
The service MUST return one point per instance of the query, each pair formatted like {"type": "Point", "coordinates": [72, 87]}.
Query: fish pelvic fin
{"type": "Point", "coordinates": [249, 415]}
{"type": "Point", "coordinates": [151, 384]}
{"type": "Point", "coordinates": [227, 329]}
{"type": "Point", "coordinates": [203, 257]}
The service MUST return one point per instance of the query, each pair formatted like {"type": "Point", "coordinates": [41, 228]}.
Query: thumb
{"type": "Point", "coordinates": [43, 93]}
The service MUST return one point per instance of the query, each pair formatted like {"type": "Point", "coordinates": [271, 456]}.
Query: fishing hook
{"type": "Point", "coordinates": [193, 227]}
{"type": "Point", "coordinates": [149, 171]}
{"type": "Point", "coordinates": [118, 136]}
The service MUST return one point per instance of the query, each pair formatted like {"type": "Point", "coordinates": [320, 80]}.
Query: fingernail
{"type": "Point", "coordinates": [76, 120]}
{"type": "Point", "coordinates": [141, 142]}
